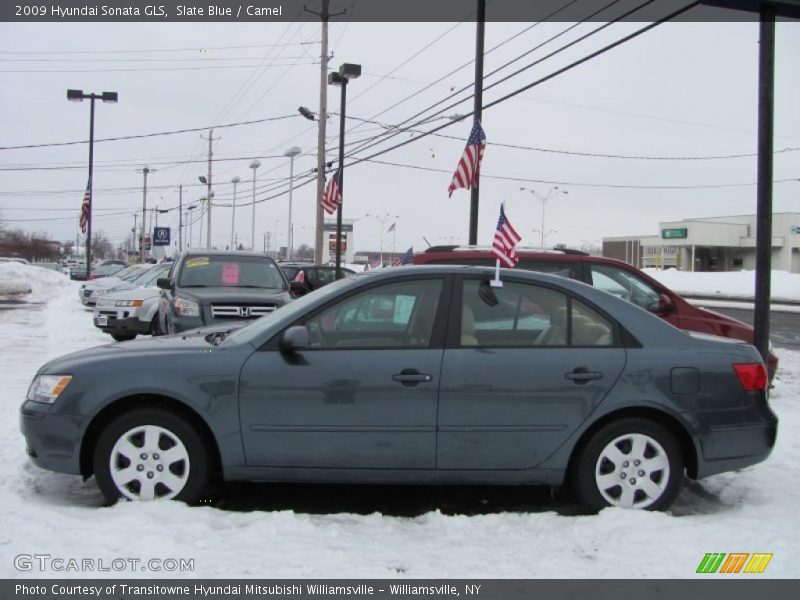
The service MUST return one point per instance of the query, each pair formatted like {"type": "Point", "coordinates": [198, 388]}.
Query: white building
{"type": "Point", "coordinates": [710, 244]}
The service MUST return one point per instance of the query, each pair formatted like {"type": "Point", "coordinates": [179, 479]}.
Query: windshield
{"type": "Point", "coordinates": [231, 271]}
{"type": "Point", "coordinates": [287, 313]}
{"type": "Point", "coordinates": [138, 275]}
{"type": "Point", "coordinates": [106, 269]}
{"type": "Point", "coordinates": [123, 273]}
{"type": "Point", "coordinates": [149, 278]}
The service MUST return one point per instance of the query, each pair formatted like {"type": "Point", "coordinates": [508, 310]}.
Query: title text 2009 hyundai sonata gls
{"type": "Point", "coordinates": [412, 375]}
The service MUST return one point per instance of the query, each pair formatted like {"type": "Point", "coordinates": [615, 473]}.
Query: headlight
{"type": "Point", "coordinates": [187, 308]}
{"type": "Point", "coordinates": [46, 388]}
{"type": "Point", "coordinates": [128, 303]}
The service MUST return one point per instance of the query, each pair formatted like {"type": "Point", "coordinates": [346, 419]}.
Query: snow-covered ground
{"type": "Point", "coordinates": [784, 286]}
{"type": "Point", "coordinates": [754, 510]}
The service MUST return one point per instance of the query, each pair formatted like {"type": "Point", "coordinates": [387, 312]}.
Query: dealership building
{"type": "Point", "coordinates": [710, 244]}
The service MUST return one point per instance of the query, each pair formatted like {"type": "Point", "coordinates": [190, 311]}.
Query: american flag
{"type": "Point", "coordinates": [85, 205]}
{"type": "Point", "coordinates": [392, 228]}
{"type": "Point", "coordinates": [406, 259]}
{"type": "Point", "coordinates": [466, 175]}
{"type": "Point", "coordinates": [332, 197]}
{"type": "Point", "coordinates": [505, 240]}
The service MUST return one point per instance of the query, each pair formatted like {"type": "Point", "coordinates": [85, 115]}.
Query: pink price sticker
{"type": "Point", "coordinates": [230, 274]}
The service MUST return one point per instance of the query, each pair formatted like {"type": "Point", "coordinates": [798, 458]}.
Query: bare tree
{"type": "Point", "coordinates": [304, 252]}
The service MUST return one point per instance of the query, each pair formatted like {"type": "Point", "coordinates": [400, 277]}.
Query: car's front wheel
{"type": "Point", "coordinates": [630, 463]}
{"type": "Point", "coordinates": [151, 454]}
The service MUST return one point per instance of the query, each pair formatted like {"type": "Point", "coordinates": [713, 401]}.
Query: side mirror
{"type": "Point", "coordinates": [298, 288]}
{"type": "Point", "coordinates": [165, 283]}
{"type": "Point", "coordinates": [294, 339]}
{"type": "Point", "coordinates": [665, 305]}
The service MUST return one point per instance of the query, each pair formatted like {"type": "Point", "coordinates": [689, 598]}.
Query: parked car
{"type": "Point", "coordinates": [126, 313]}
{"type": "Point", "coordinates": [613, 276]}
{"type": "Point", "coordinates": [105, 270]}
{"type": "Point", "coordinates": [413, 375]}
{"type": "Point", "coordinates": [77, 271]}
{"type": "Point", "coordinates": [14, 259]}
{"type": "Point", "coordinates": [90, 291]}
{"type": "Point", "coordinates": [208, 287]}
{"type": "Point", "coordinates": [310, 275]}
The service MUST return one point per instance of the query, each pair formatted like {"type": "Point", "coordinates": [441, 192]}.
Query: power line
{"type": "Point", "coordinates": [154, 50]}
{"type": "Point", "coordinates": [142, 69]}
{"type": "Point", "coordinates": [148, 135]}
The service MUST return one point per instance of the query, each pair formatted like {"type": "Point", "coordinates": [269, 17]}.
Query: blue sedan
{"type": "Point", "coordinates": [412, 375]}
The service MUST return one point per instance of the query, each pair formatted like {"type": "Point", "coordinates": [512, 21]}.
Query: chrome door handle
{"type": "Point", "coordinates": [409, 377]}
{"type": "Point", "coordinates": [583, 375]}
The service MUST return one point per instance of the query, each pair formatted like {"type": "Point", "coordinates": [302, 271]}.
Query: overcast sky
{"type": "Point", "coordinates": [679, 91]}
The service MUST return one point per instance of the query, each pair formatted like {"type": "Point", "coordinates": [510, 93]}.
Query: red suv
{"type": "Point", "coordinates": [611, 275]}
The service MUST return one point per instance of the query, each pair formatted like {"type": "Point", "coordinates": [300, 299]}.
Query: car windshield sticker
{"type": "Point", "coordinates": [403, 305]}
{"type": "Point", "coordinates": [230, 274]}
{"type": "Point", "coordinates": [201, 261]}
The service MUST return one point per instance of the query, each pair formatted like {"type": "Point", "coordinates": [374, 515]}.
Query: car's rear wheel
{"type": "Point", "coordinates": [630, 463]}
{"type": "Point", "coordinates": [151, 454]}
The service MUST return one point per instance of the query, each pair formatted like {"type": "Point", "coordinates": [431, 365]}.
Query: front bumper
{"type": "Point", "coordinates": [53, 441]}
{"type": "Point", "coordinates": [120, 322]}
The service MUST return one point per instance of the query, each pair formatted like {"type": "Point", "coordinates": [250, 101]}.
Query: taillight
{"type": "Point", "coordinates": [92, 276]}
{"type": "Point", "coordinates": [752, 376]}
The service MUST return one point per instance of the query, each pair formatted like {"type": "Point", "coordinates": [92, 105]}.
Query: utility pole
{"type": "Point", "coordinates": [208, 186]}
{"type": "Point", "coordinates": [325, 16]}
{"type": "Point", "coordinates": [478, 109]}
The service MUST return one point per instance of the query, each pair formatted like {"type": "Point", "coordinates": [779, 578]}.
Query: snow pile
{"type": "Point", "coordinates": [37, 284]}
{"type": "Point", "coordinates": [785, 287]}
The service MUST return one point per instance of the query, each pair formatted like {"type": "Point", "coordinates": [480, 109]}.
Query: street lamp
{"type": "Point", "coordinates": [253, 165]}
{"type": "Point", "coordinates": [209, 196]}
{"type": "Point", "coordinates": [347, 71]}
{"type": "Point", "coordinates": [383, 219]}
{"type": "Point", "coordinates": [234, 181]}
{"type": "Point", "coordinates": [191, 221]}
{"type": "Point", "coordinates": [553, 191]}
{"type": "Point", "coordinates": [291, 153]}
{"type": "Point", "coordinates": [79, 96]}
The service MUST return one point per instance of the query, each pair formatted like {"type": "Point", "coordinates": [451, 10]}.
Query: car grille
{"type": "Point", "coordinates": [227, 311]}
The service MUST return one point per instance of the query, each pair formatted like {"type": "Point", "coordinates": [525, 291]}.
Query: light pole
{"type": "Point", "coordinates": [145, 171]}
{"type": "Point", "coordinates": [347, 71]}
{"type": "Point", "coordinates": [189, 210]}
{"type": "Point", "coordinates": [234, 181]}
{"type": "Point", "coordinates": [382, 220]}
{"type": "Point", "coordinates": [208, 197]}
{"type": "Point", "coordinates": [79, 96]}
{"type": "Point", "coordinates": [253, 165]}
{"type": "Point", "coordinates": [277, 247]}
{"type": "Point", "coordinates": [291, 153]}
{"type": "Point", "coordinates": [553, 191]}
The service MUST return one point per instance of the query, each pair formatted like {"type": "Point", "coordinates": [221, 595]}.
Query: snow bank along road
{"type": "Point", "coordinates": [517, 533]}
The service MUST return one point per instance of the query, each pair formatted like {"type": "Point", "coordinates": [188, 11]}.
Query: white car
{"type": "Point", "coordinates": [125, 314]}
{"type": "Point", "coordinates": [91, 290]}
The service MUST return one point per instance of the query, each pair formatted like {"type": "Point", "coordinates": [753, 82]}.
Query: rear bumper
{"type": "Point", "coordinates": [731, 447]}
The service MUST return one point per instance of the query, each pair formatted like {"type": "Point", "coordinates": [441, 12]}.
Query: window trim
{"type": "Point", "coordinates": [622, 338]}
{"type": "Point", "coordinates": [438, 331]}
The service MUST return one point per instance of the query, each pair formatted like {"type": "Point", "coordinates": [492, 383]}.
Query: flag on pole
{"type": "Point", "coordinates": [391, 228]}
{"type": "Point", "coordinates": [87, 200]}
{"type": "Point", "coordinates": [332, 197]}
{"type": "Point", "coordinates": [505, 240]}
{"type": "Point", "coordinates": [466, 175]}
{"type": "Point", "coordinates": [406, 259]}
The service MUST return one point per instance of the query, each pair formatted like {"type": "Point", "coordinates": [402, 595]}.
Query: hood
{"type": "Point", "coordinates": [141, 293]}
{"type": "Point", "coordinates": [208, 295]}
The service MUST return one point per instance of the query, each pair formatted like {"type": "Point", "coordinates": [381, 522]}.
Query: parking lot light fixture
{"type": "Point", "coordinates": [253, 165]}
{"type": "Point", "coordinates": [291, 153]}
{"type": "Point", "coordinates": [234, 181]}
{"type": "Point", "coordinates": [79, 96]}
{"type": "Point", "coordinates": [347, 71]}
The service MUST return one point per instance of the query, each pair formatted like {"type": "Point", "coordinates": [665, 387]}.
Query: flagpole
{"type": "Point", "coordinates": [496, 281]}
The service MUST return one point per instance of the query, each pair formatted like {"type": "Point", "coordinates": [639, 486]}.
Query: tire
{"type": "Point", "coordinates": [124, 337]}
{"type": "Point", "coordinates": [155, 327]}
{"type": "Point", "coordinates": [150, 454]}
{"type": "Point", "coordinates": [630, 463]}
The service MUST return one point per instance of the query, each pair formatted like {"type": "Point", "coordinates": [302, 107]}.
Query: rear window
{"type": "Point", "coordinates": [231, 271]}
